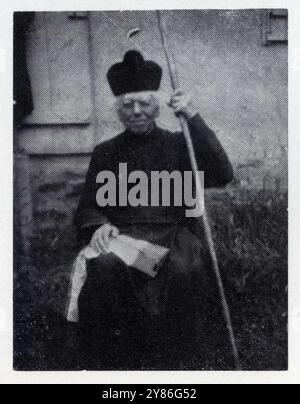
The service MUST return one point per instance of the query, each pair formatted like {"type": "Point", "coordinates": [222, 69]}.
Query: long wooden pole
{"type": "Point", "coordinates": [207, 229]}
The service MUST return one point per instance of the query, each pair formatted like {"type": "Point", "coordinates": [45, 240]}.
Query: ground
{"type": "Point", "coordinates": [250, 232]}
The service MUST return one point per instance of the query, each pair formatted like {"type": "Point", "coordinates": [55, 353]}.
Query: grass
{"type": "Point", "coordinates": [250, 231]}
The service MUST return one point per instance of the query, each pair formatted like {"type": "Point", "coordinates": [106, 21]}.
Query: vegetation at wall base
{"type": "Point", "coordinates": [251, 236]}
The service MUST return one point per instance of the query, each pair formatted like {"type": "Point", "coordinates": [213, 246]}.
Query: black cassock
{"type": "Point", "coordinates": [127, 319]}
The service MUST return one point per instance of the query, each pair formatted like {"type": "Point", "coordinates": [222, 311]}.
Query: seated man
{"type": "Point", "coordinates": [129, 320]}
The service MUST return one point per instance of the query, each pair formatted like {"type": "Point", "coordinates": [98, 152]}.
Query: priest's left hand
{"type": "Point", "coordinates": [182, 104]}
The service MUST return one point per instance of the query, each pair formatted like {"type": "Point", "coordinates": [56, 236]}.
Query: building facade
{"type": "Point", "coordinates": [235, 62]}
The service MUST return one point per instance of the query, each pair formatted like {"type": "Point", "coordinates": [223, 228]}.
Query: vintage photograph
{"type": "Point", "coordinates": [150, 190]}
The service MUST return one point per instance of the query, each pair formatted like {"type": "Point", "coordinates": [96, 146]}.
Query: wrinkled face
{"type": "Point", "coordinates": [138, 111]}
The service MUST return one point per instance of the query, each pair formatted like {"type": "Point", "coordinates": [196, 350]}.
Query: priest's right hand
{"type": "Point", "coordinates": [102, 237]}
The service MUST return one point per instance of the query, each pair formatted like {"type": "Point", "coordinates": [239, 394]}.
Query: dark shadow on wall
{"type": "Point", "coordinates": [23, 104]}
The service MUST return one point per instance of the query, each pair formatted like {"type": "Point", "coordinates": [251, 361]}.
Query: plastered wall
{"type": "Point", "coordinates": [239, 86]}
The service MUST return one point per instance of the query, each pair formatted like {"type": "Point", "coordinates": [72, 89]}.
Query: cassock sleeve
{"type": "Point", "coordinates": [210, 155]}
{"type": "Point", "coordinates": [89, 216]}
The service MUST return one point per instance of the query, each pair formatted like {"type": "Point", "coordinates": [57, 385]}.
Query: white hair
{"type": "Point", "coordinates": [154, 95]}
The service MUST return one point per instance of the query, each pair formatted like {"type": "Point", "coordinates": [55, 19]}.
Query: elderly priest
{"type": "Point", "coordinates": [129, 319]}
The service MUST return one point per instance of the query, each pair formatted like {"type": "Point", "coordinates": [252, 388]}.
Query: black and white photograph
{"type": "Point", "coordinates": [150, 190]}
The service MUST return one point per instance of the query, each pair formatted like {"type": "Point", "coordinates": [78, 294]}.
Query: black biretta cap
{"type": "Point", "coordinates": [134, 74]}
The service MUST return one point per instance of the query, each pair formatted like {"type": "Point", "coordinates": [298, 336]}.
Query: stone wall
{"type": "Point", "coordinates": [239, 84]}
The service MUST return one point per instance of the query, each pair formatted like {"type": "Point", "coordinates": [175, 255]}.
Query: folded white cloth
{"type": "Point", "coordinates": [138, 254]}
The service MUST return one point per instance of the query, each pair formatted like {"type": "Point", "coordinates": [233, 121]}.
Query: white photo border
{"type": "Point", "coordinates": [7, 374]}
